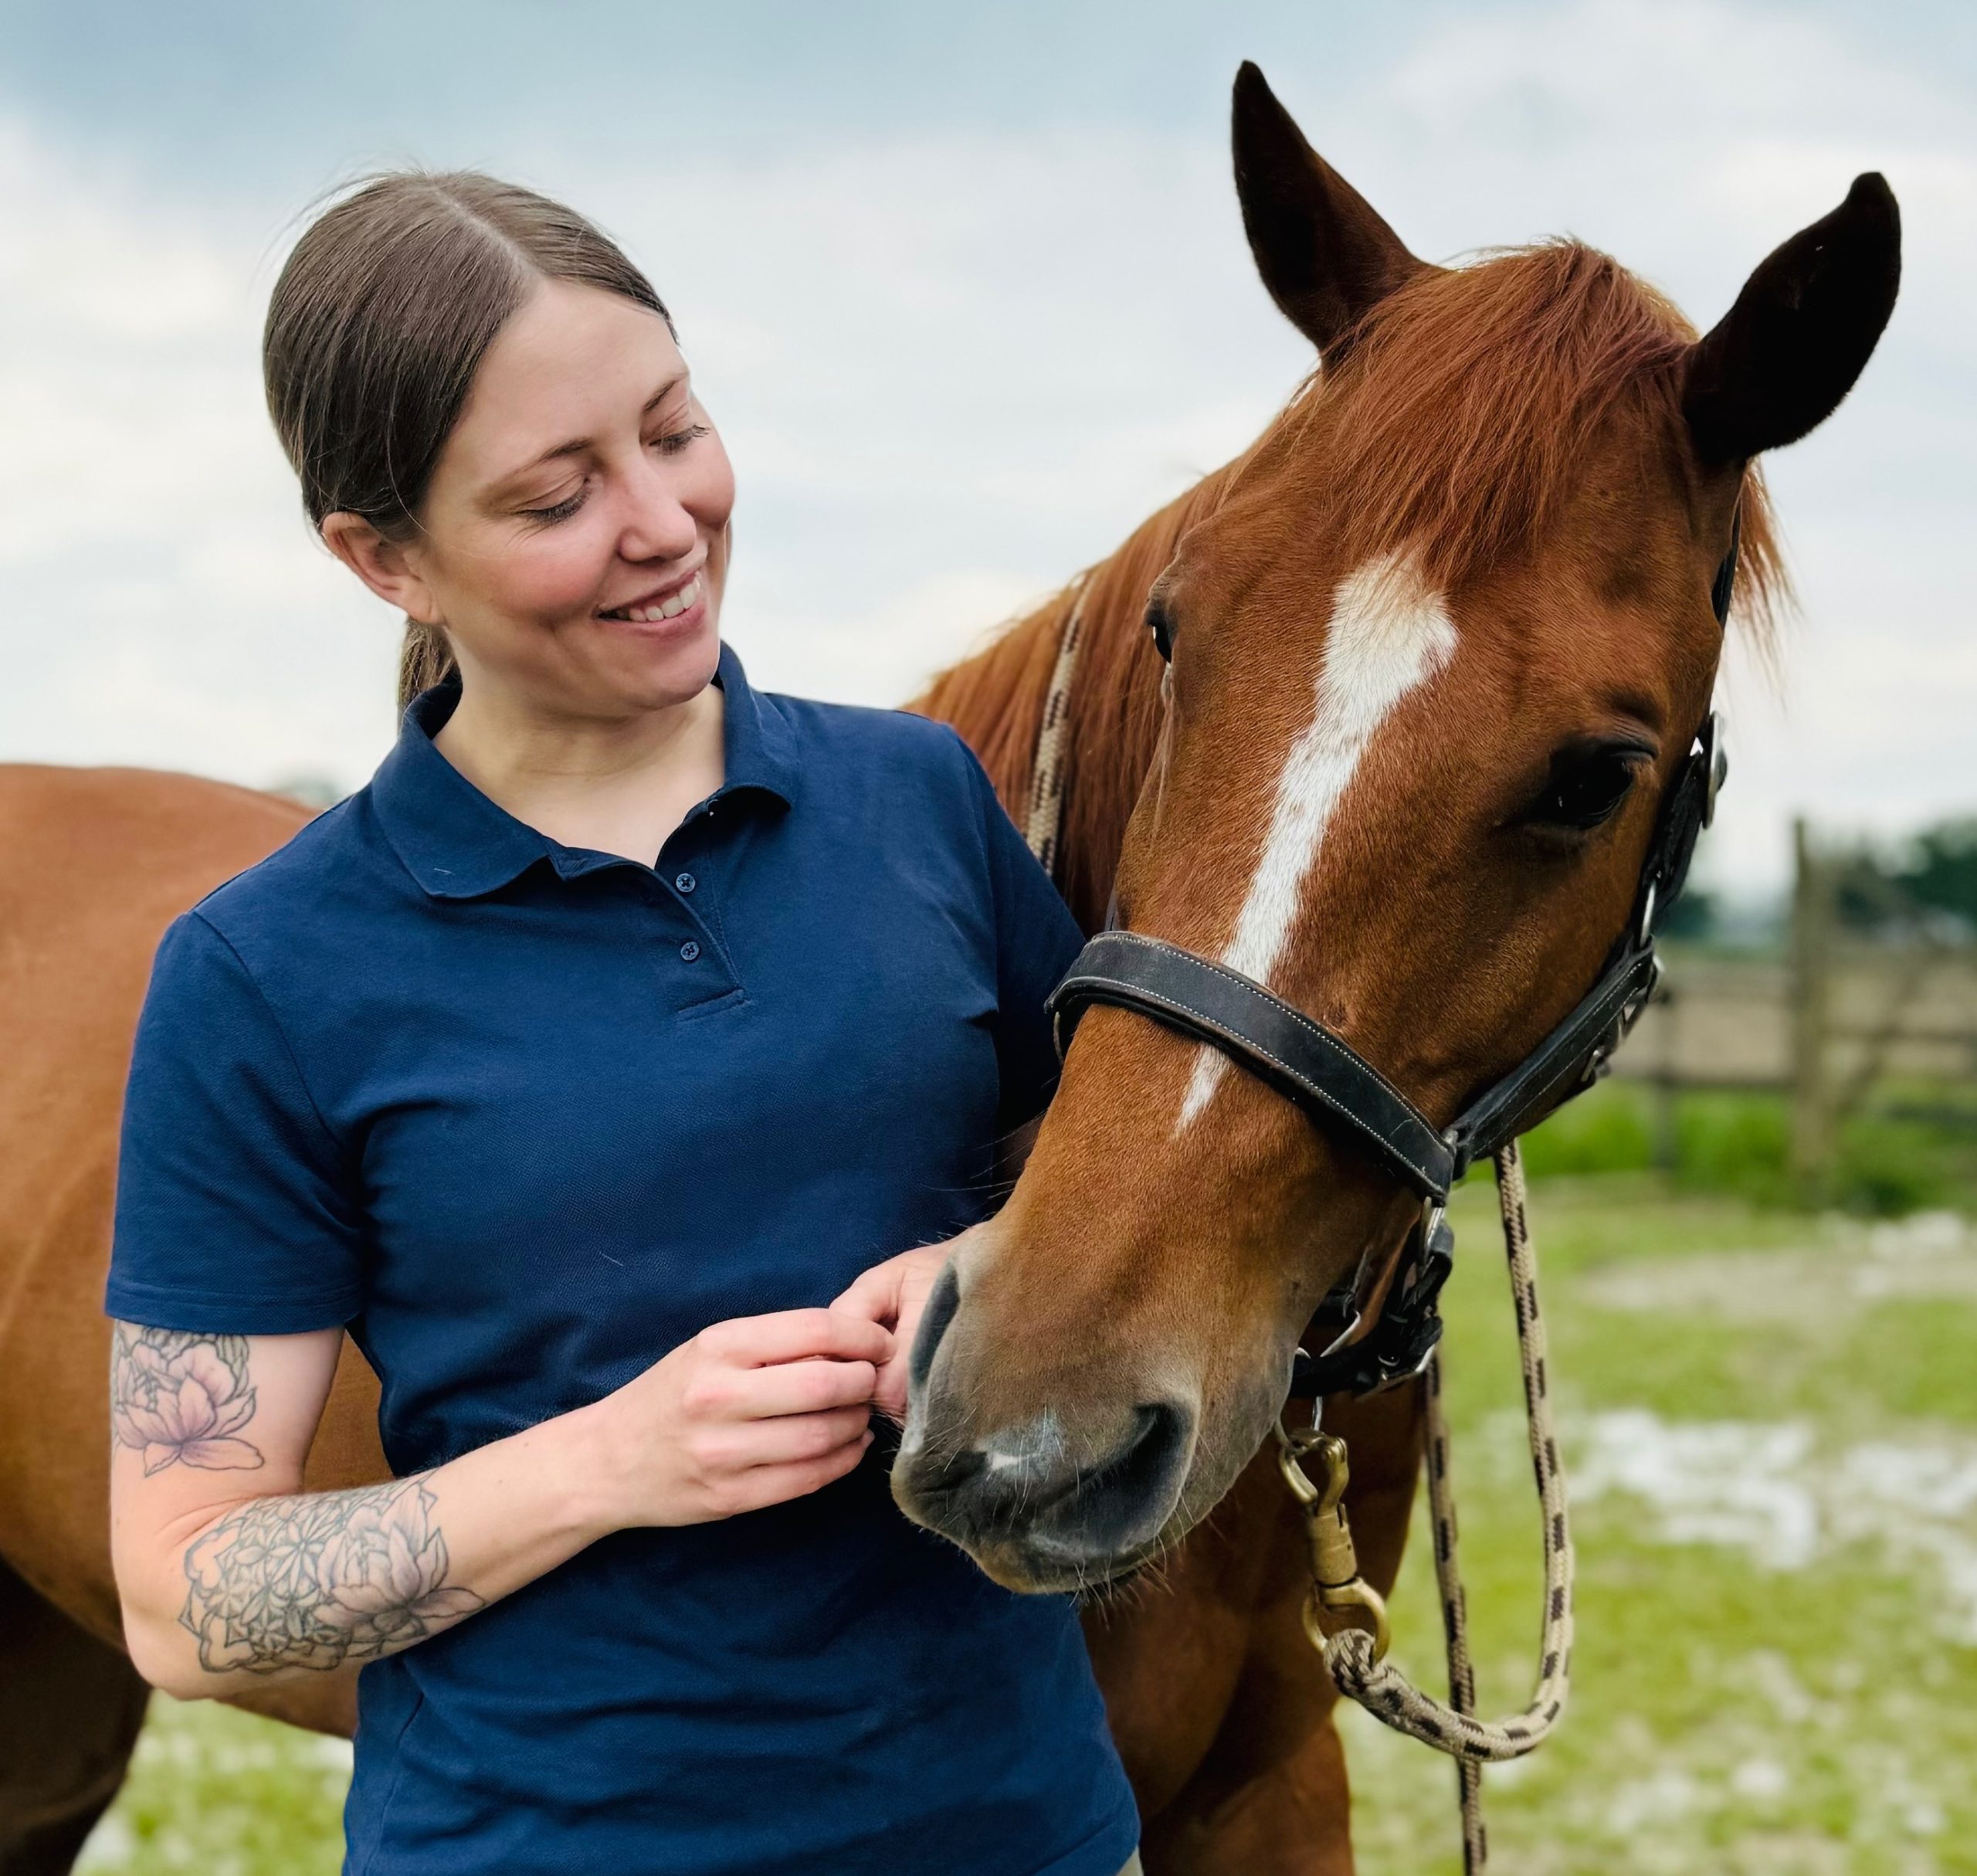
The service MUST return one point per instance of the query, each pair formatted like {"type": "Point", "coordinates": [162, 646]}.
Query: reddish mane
{"type": "Point", "coordinates": [1470, 397]}
{"type": "Point", "coordinates": [996, 698]}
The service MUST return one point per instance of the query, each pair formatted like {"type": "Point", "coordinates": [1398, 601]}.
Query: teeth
{"type": "Point", "coordinates": [665, 609]}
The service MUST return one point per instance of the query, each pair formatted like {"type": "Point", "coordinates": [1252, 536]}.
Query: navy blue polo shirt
{"type": "Point", "coordinates": [525, 1117]}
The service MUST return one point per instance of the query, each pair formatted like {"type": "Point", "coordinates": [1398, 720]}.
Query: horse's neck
{"type": "Point", "coordinates": [996, 699]}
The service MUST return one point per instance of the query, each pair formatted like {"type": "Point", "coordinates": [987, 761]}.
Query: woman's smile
{"type": "Point", "coordinates": [682, 606]}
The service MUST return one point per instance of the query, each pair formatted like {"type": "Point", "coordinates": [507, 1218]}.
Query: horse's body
{"type": "Point", "coordinates": [98, 862]}
{"type": "Point", "coordinates": [1545, 458]}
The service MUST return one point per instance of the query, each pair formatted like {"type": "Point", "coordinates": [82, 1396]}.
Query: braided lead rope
{"type": "Point", "coordinates": [1380, 1688]}
{"type": "Point", "coordinates": [1455, 1621]}
{"type": "Point", "coordinates": [1046, 812]}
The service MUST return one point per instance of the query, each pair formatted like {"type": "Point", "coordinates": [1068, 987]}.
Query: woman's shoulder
{"type": "Point", "coordinates": [925, 760]}
{"type": "Point", "coordinates": [271, 908]}
{"type": "Point", "coordinates": [873, 728]}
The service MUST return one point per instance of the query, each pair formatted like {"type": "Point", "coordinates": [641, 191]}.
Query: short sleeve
{"type": "Point", "coordinates": [1036, 937]}
{"type": "Point", "coordinates": [235, 1214]}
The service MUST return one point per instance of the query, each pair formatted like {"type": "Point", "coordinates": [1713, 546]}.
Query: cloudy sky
{"type": "Point", "coordinates": [965, 287]}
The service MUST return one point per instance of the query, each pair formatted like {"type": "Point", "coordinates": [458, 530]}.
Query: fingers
{"type": "Point", "coordinates": [773, 1483]}
{"type": "Point", "coordinates": [718, 1392]}
{"type": "Point", "coordinates": [889, 1391]}
{"type": "Point", "coordinates": [874, 1294]}
{"type": "Point", "coordinates": [802, 1387]}
{"type": "Point", "coordinates": [795, 1335]}
{"type": "Point", "coordinates": [798, 1437]}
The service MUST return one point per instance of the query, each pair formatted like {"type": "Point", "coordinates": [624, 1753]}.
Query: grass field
{"type": "Point", "coordinates": [1771, 1429]}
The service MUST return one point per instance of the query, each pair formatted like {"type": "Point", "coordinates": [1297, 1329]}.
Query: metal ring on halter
{"type": "Point", "coordinates": [1339, 1341]}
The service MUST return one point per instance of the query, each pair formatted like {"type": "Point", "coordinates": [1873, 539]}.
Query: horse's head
{"type": "Point", "coordinates": [1439, 642]}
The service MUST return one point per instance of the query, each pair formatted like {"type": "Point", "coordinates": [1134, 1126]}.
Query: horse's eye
{"type": "Point", "coordinates": [1586, 786]}
{"type": "Point", "coordinates": [1157, 624]}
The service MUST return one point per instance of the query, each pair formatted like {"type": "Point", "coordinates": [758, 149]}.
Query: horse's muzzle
{"type": "Point", "coordinates": [1065, 1497]}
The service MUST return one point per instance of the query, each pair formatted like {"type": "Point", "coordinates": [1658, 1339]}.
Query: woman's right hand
{"type": "Point", "coordinates": [748, 1413]}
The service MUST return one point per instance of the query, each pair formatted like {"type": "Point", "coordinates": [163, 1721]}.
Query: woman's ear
{"type": "Point", "coordinates": [383, 564]}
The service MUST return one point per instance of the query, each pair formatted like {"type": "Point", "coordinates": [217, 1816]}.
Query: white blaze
{"type": "Point", "coordinates": [1389, 633]}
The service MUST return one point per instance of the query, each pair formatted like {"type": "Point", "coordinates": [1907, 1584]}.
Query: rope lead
{"type": "Point", "coordinates": [1354, 1651]}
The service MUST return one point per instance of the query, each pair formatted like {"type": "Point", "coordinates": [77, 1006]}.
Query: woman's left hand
{"type": "Point", "coordinates": [892, 1294]}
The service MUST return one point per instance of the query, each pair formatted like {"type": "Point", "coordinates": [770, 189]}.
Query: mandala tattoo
{"type": "Point", "coordinates": [314, 1581]}
{"type": "Point", "coordinates": [180, 1399]}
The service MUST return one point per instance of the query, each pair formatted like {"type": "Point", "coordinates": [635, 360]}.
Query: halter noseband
{"type": "Point", "coordinates": [1337, 1087]}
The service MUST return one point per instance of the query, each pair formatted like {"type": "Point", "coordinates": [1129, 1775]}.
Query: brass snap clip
{"type": "Point", "coordinates": [1340, 1598]}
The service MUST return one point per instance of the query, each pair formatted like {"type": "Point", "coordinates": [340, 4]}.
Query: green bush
{"type": "Point", "coordinates": [1890, 1159]}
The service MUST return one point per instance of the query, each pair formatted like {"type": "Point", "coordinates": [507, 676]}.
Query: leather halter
{"type": "Point", "coordinates": [1338, 1089]}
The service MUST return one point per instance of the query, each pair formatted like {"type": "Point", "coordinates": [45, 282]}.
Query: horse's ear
{"type": "Point", "coordinates": [1324, 253]}
{"type": "Point", "coordinates": [1781, 358]}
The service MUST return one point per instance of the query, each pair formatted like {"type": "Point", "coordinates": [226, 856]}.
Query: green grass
{"type": "Point", "coordinates": [1729, 1713]}
{"type": "Point", "coordinates": [1914, 1149]}
{"type": "Point", "coordinates": [1738, 1705]}
{"type": "Point", "coordinates": [224, 1794]}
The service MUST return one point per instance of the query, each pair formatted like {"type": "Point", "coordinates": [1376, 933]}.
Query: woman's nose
{"type": "Point", "coordinates": [659, 524]}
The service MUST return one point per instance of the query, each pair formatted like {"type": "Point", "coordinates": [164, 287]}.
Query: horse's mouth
{"type": "Point", "coordinates": [1081, 1515]}
{"type": "Point", "coordinates": [1045, 1529]}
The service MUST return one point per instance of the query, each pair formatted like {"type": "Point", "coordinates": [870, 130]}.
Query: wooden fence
{"type": "Point", "coordinates": [1833, 1017]}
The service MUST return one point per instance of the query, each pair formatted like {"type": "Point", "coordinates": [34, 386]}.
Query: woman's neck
{"type": "Point", "coordinates": [614, 786]}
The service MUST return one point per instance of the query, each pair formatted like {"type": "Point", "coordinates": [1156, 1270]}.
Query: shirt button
{"type": "Point", "coordinates": [690, 951]}
{"type": "Point", "coordinates": [683, 881]}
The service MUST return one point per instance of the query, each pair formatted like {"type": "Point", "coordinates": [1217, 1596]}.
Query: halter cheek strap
{"type": "Point", "coordinates": [1280, 1045]}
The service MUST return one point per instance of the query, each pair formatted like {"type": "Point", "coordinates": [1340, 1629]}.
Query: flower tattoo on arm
{"type": "Point", "coordinates": [179, 1398]}
{"type": "Point", "coordinates": [315, 1581]}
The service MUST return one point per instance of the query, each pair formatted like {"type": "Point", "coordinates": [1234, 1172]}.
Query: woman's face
{"type": "Point", "coordinates": [573, 541]}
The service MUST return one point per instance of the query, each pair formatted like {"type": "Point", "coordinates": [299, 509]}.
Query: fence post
{"type": "Point", "coordinates": [1667, 1148]}
{"type": "Point", "coordinates": [1813, 918]}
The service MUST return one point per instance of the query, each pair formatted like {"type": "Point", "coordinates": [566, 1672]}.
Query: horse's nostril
{"type": "Point", "coordinates": [1122, 1505]}
{"type": "Point", "coordinates": [942, 1301]}
{"type": "Point", "coordinates": [961, 1468]}
{"type": "Point", "coordinates": [1030, 1484]}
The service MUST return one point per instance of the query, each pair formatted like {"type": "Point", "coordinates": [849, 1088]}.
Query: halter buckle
{"type": "Point", "coordinates": [1717, 753]}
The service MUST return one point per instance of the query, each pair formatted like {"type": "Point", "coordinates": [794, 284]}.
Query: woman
{"type": "Point", "coordinates": [587, 1065]}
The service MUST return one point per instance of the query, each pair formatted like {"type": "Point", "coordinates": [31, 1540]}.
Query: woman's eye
{"type": "Point", "coordinates": [670, 444]}
{"type": "Point", "coordinates": [1585, 788]}
{"type": "Point", "coordinates": [559, 511]}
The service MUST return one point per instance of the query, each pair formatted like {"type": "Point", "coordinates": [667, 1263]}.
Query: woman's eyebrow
{"type": "Point", "coordinates": [578, 444]}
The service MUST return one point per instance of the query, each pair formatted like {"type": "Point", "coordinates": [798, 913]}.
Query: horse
{"type": "Point", "coordinates": [1438, 647]}
{"type": "Point", "coordinates": [1437, 638]}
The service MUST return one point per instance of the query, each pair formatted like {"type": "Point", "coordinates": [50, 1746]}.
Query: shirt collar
{"type": "Point", "coordinates": [459, 844]}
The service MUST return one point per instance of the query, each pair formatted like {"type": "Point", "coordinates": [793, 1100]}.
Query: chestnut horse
{"type": "Point", "coordinates": [1477, 544]}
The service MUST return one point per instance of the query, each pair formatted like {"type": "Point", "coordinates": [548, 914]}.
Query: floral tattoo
{"type": "Point", "coordinates": [181, 1399]}
{"type": "Point", "coordinates": [315, 1581]}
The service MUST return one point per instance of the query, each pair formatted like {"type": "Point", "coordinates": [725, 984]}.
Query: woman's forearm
{"type": "Point", "coordinates": [276, 1588]}
{"type": "Point", "coordinates": [236, 1590]}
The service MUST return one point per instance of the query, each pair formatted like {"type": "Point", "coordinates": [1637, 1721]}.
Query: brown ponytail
{"type": "Point", "coordinates": [424, 660]}
{"type": "Point", "coordinates": [379, 321]}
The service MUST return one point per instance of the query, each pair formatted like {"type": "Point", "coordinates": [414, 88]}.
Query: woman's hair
{"type": "Point", "coordinates": [379, 321]}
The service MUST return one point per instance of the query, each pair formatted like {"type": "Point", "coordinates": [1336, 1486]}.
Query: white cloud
{"type": "Point", "coordinates": [953, 368]}
{"type": "Point", "coordinates": [165, 604]}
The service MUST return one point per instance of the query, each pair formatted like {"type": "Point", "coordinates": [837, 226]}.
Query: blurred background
{"type": "Point", "coordinates": [965, 288]}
